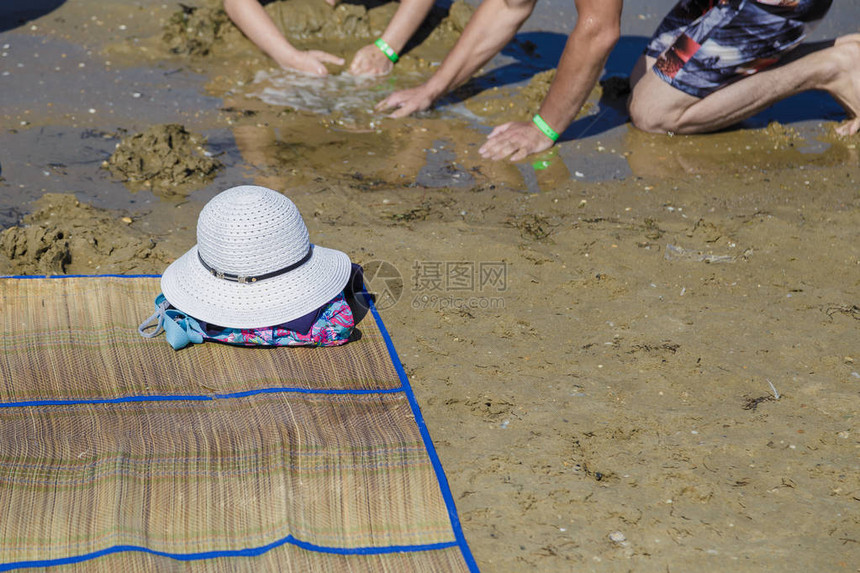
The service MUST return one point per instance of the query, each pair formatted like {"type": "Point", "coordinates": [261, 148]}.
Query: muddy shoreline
{"type": "Point", "coordinates": [661, 369]}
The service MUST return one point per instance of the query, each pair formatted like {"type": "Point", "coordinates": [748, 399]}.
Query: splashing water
{"type": "Point", "coordinates": [349, 98]}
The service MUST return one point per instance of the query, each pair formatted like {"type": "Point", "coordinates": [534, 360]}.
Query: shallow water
{"type": "Point", "coordinates": [116, 79]}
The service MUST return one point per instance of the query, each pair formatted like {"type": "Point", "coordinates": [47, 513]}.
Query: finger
{"type": "Point", "coordinates": [503, 149]}
{"type": "Point", "coordinates": [500, 129]}
{"type": "Point", "coordinates": [520, 154]}
{"type": "Point", "coordinates": [357, 66]}
{"type": "Point", "coordinates": [311, 66]}
{"type": "Point", "coordinates": [489, 149]}
{"type": "Point", "coordinates": [402, 111]}
{"type": "Point", "coordinates": [371, 66]}
{"type": "Point", "coordinates": [375, 69]}
{"type": "Point", "coordinates": [387, 103]}
{"type": "Point", "coordinates": [500, 154]}
{"type": "Point", "coordinates": [363, 69]}
{"type": "Point", "coordinates": [326, 57]}
{"type": "Point", "coordinates": [393, 100]}
{"type": "Point", "coordinates": [492, 147]}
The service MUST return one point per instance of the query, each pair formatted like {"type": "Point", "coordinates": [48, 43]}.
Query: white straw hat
{"type": "Point", "coordinates": [253, 265]}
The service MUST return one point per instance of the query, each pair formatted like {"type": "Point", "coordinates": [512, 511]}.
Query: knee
{"type": "Point", "coordinates": [849, 48]}
{"type": "Point", "coordinates": [855, 38]}
{"type": "Point", "coordinates": [656, 107]}
{"type": "Point", "coordinates": [843, 58]}
{"type": "Point", "coordinates": [646, 116]}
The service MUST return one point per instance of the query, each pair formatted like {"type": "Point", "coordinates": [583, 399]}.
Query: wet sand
{"type": "Point", "coordinates": [634, 353]}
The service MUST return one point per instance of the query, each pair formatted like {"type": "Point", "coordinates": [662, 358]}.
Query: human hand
{"type": "Point", "coordinates": [406, 102]}
{"type": "Point", "coordinates": [313, 62]}
{"type": "Point", "coordinates": [516, 139]}
{"type": "Point", "coordinates": [332, 3]}
{"type": "Point", "coordinates": [370, 61]}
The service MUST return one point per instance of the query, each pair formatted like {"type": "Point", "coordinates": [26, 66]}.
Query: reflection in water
{"type": "Point", "coordinates": [775, 147]}
{"type": "Point", "coordinates": [308, 153]}
{"type": "Point", "coordinates": [336, 136]}
{"type": "Point", "coordinates": [544, 171]}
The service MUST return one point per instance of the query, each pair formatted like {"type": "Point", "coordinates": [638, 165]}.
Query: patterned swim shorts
{"type": "Point", "coordinates": [702, 45]}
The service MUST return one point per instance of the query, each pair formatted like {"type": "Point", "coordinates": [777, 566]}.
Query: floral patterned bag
{"type": "Point", "coordinates": [332, 326]}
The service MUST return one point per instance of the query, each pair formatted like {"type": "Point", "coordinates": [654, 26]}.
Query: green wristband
{"type": "Point", "coordinates": [544, 127]}
{"type": "Point", "coordinates": [387, 50]}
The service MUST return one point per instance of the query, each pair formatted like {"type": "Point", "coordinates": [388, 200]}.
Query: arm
{"type": "Point", "coordinates": [370, 60]}
{"type": "Point", "coordinates": [595, 34]}
{"type": "Point", "coordinates": [256, 24]}
{"type": "Point", "coordinates": [491, 27]}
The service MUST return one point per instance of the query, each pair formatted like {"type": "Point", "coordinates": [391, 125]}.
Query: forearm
{"type": "Point", "coordinates": [406, 21]}
{"type": "Point", "coordinates": [250, 17]}
{"type": "Point", "coordinates": [581, 64]}
{"type": "Point", "coordinates": [491, 27]}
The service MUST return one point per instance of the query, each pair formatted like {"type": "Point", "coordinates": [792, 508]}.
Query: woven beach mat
{"type": "Point", "coordinates": [118, 453]}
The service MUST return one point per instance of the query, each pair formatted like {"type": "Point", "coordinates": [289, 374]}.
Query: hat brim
{"type": "Point", "coordinates": [192, 289]}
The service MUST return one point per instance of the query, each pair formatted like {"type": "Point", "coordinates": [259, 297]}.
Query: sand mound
{"type": "Point", "coordinates": [65, 236]}
{"type": "Point", "coordinates": [166, 158]}
{"type": "Point", "coordinates": [195, 30]}
{"type": "Point", "coordinates": [302, 19]}
{"type": "Point", "coordinates": [207, 30]}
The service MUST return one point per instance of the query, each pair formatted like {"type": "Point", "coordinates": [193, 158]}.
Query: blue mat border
{"type": "Point", "coordinates": [406, 388]}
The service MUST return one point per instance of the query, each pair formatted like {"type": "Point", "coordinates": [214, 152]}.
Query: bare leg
{"type": "Point", "coordinates": [656, 106]}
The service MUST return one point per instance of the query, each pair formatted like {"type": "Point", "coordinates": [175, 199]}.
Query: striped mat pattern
{"type": "Point", "coordinates": [119, 454]}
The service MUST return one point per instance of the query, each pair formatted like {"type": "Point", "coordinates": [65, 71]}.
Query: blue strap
{"type": "Point", "coordinates": [179, 330]}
